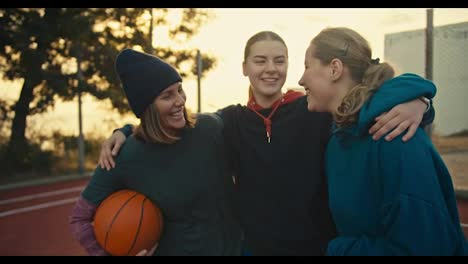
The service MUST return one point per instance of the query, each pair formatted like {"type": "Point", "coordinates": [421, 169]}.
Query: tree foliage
{"type": "Point", "coordinates": [43, 46]}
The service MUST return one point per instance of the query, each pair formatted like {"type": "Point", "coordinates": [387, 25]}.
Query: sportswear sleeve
{"type": "Point", "coordinates": [400, 89]}
{"type": "Point", "coordinates": [102, 184]}
{"type": "Point", "coordinates": [127, 130]}
{"type": "Point", "coordinates": [428, 116]}
{"type": "Point", "coordinates": [80, 221]}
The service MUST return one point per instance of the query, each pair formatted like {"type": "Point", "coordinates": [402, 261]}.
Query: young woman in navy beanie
{"type": "Point", "coordinates": [174, 158]}
{"type": "Point", "coordinates": [275, 150]}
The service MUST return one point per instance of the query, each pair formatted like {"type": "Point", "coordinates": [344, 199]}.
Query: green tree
{"type": "Point", "coordinates": [41, 45]}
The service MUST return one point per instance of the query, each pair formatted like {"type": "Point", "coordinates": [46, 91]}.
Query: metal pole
{"type": "Point", "coordinates": [199, 75]}
{"type": "Point", "coordinates": [429, 54]}
{"type": "Point", "coordinates": [429, 42]}
{"type": "Point", "coordinates": [151, 31]}
{"type": "Point", "coordinates": [81, 146]}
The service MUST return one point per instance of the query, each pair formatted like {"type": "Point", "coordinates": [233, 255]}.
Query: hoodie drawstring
{"type": "Point", "coordinates": [266, 120]}
{"type": "Point", "coordinates": [288, 97]}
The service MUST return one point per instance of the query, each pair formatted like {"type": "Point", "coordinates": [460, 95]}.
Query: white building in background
{"type": "Point", "coordinates": [406, 52]}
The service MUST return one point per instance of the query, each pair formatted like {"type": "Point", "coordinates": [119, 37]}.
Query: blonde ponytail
{"type": "Point", "coordinates": [348, 112]}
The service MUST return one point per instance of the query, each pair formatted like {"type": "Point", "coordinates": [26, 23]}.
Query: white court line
{"type": "Point", "coordinates": [37, 207]}
{"type": "Point", "coordinates": [55, 203]}
{"type": "Point", "coordinates": [39, 195]}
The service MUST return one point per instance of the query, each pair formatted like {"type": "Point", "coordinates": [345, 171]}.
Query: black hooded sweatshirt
{"type": "Point", "coordinates": [281, 195]}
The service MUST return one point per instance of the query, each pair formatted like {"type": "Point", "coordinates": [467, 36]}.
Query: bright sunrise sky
{"type": "Point", "coordinates": [225, 35]}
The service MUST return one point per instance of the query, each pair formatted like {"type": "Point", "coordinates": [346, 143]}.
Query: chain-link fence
{"type": "Point", "coordinates": [406, 51]}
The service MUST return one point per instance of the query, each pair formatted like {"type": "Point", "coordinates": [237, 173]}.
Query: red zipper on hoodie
{"type": "Point", "coordinates": [288, 97]}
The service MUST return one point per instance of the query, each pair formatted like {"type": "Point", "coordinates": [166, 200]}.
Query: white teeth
{"type": "Point", "coordinates": [270, 80]}
{"type": "Point", "coordinates": [177, 114]}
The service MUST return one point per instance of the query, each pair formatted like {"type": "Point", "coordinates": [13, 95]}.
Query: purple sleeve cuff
{"type": "Point", "coordinates": [80, 220]}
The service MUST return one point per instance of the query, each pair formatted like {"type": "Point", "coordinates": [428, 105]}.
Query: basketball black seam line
{"type": "Point", "coordinates": [142, 212]}
{"type": "Point", "coordinates": [115, 217]}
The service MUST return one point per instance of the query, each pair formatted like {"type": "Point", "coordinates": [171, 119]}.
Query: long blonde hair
{"type": "Point", "coordinates": [151, 130]}
{"type": "Point", "coordinates": [354, 51]}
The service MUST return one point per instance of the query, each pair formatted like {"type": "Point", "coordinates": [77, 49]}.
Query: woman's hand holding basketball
{"type": "Point", "coordinates": [145, 252]}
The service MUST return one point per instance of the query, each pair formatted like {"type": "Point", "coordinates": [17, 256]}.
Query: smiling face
{"type": "Point", "coordinates": [318, 82]}
{"type": "Point", "coordinates": [266, 66]}
{"type": "Point", "coordinates": [170, 105]}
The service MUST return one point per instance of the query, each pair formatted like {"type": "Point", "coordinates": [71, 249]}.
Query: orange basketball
{"type": "Point", "coordinates": [127, 222]}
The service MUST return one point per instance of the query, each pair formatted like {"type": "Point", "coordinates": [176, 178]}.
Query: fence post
{"type": "Point", "coordinates": [81, 146]}
{"type": "Point", "coordinates": [199, 75]}
{"type": "Point", "coordinates": [429, 54]}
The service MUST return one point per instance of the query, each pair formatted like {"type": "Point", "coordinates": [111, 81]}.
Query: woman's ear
{"type": "Point", "coordinates": [244, 69]}
{"type": "Point", "coordinates": [336, 69]}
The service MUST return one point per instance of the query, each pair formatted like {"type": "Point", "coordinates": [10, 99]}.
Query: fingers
{"type": "Point", "coordinates": [151, 252]}
{"type": "Point", "coordinates": [105, 158]}
{"type": "Point", "coordinates": [411, 131]}
{"type": "Point", "coordinates": [109, 149]}
{"type": "Point", "coordinates": [397, 131]}
{"type": "Point", "coordinates": [399, 124]}
{"type": "Point", "coordinates": [101, 161]}
{"type": "Point", "coordinates": [118, 139]}
{"type": "Point", "coordinates": [142, 253]}
{"type": "Point", "coordinates": [380, 116]}
{"type": "Point", "coordinates": [145, 252]}
{"type": "Point", "coordinates": [384, 125]}
{"type": "Point", "coordinates": [399, 118]}
{"type": "Point", "coordinates": [116, 148]}
{"type": "Point", "coordinates": [105, 152]}
{"type": "Point", "coordinates": [109, 158]}
{"type": "Point", "coordinates": [102, 157]}
{"type": "Point", "coordinates": [381, 121]}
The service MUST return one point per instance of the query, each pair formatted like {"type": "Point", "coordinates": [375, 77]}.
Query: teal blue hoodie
{"type": "Point", "coordinates": [391, 198]}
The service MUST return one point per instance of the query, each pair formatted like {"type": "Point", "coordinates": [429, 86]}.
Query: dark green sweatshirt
{"type": "Point", "coordinates": [187, 180]}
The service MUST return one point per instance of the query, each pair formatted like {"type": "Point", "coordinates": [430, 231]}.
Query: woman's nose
{"type": "Point", "coordinates": [270, 66]}
{"type": "Point", "coordinates": [180, 100]}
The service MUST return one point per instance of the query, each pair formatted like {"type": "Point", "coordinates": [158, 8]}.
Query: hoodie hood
{"type": "Point", "coordinates": [400, 89]}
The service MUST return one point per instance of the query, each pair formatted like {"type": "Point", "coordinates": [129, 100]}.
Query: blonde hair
{"type": "Point", "coordinates": [151, 130]}
{"type": "Point", "coordinates": [354, 51]}
{"type": "Point", "coordinates": [262, 35]}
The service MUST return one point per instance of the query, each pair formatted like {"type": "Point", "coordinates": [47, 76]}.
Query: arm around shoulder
{"type": "Point", "coordinates": [127, 130]}
{"type": "Point", "coordinates": [417, 85]}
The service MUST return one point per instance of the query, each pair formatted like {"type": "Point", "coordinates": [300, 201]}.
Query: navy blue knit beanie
{"type": "Point", "coordinates": [143, 78]}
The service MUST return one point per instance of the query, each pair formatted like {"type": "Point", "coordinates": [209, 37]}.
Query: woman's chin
{"type": "Point", "coordinates": [312, 107]}
{"type": "Point", "coordinates": [177, 124]}
{"type": "Point", "coordinates": [316, 108]}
